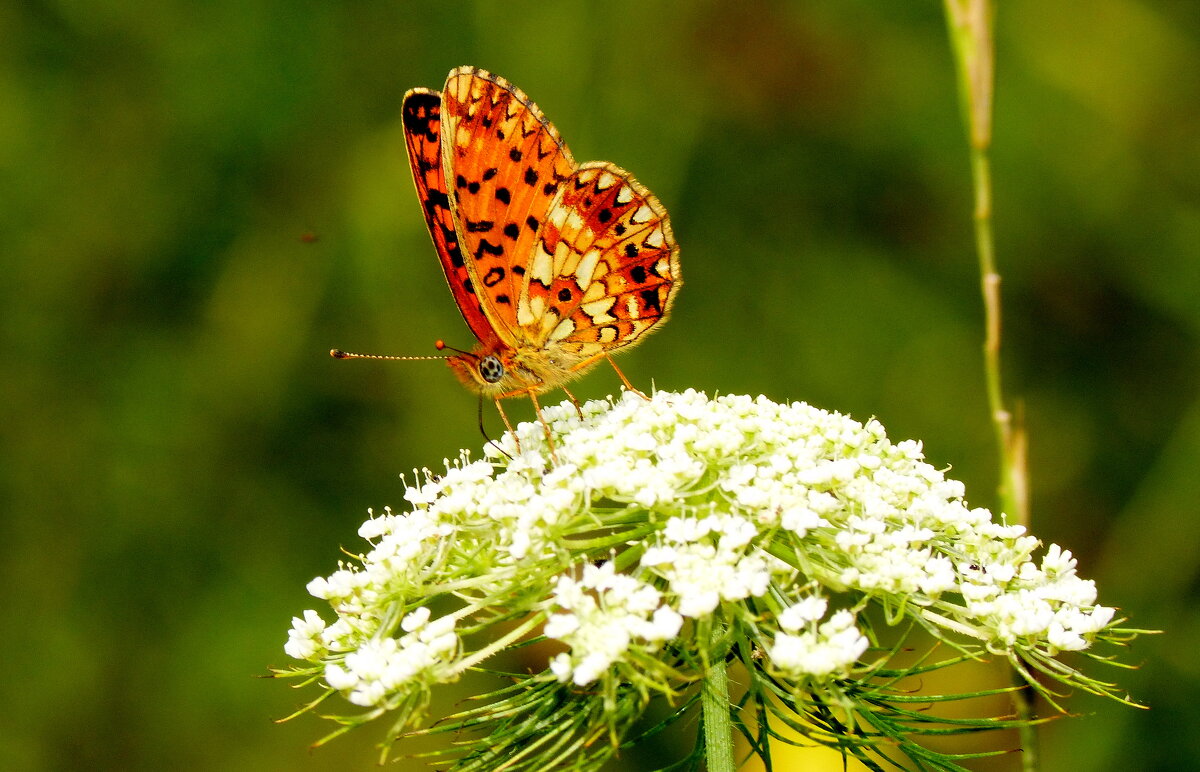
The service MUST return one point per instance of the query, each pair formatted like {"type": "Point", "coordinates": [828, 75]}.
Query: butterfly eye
{"type": "Point", "coordinates": [490, 369]}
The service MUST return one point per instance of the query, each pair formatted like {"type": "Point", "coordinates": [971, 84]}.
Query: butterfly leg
{"type": "Point", "coordinates": [574, 401]}
{"type": "Point", "coordinates": [625, 380]}
{"type": "Point", "coordinates": [504, 417]}
{"type": "Point", "coordinates": [545, 426]}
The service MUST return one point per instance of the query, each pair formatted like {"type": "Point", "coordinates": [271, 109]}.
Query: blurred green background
{"type": "Point", "coordinates": [180, 455]}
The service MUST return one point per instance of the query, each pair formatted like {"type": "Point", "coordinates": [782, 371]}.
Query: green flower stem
{"type": "Point", "coordinates": [973, 43]}
{"type": "Point", "coordinates": [718, 726]}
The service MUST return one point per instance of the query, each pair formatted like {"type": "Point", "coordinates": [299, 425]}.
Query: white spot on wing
{"type": "Point", "coordinates": [606, 181]}
{"type": "Point", "coordinates": [569, 265]}
{"type": "Point", "coordinates": [598, 311]}
{"type": "Point", "coordinates": [542, 269]}
{"type": "Point", "coordinates": [537, 308]}
{"type": "Point", "coordinates": [563, 330]}
{"type": "Point", "coordinates": [524, 314]}
{"type": "Point", "coordinates": [655, 239]}
{"type": "Point", "coordinates": [586, 269]}
{"type": "Point", "coordinates": [624, 195]}
{"type": "Point", "coordinates": [562, 253]}
{"type": "Point", "coordinates": [643, 214]}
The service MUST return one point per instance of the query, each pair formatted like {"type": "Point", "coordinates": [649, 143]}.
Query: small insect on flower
{"type": "Point", "coordinates": [554, 265]}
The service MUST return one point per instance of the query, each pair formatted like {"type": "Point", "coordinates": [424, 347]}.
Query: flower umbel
{"type": "Point", "coordinates": [677, 532]}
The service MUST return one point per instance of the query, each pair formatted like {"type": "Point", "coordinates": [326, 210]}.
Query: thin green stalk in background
{"type": "Point", "coordinates": [971, 29]}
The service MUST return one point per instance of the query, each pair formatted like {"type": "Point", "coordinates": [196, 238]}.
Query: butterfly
{"type": "Point", "coordinates": [554, 265]}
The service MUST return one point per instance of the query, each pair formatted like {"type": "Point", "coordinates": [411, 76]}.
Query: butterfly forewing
{"type": "Point", "coordinates": [605, 268]}
{"type": "Point", "coordinates": [422, 135]}
{"type": "Point", "coordinates": [504, 163]}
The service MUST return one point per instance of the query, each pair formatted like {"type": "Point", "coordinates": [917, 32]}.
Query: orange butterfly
{"type": "Point", "coordinates": [554, 265]}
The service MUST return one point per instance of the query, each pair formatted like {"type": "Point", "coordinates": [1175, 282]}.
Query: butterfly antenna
{"type": "Point", "coordinates": [337, 353]}
{"type": "Point", "coordinates": [440, 345]}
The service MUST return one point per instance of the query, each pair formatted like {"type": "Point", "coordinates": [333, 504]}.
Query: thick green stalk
{"type": "Point", "coordinates": [972, 41]}
{"type": "Point", "coordinates": [718, 725]}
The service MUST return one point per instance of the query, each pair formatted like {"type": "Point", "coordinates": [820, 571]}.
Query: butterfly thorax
{"type": "Point", "coordinates": [496, 370]}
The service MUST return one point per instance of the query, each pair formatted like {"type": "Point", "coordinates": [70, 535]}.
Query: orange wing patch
{"type": "Point", "coordinates": [505, 163]}
{"type": "Point", "coordinates": [606, 267]}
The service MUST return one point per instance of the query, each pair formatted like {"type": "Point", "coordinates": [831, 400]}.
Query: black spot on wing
{"type": "Point", "coordinates": [451, 239]}
{"type": "Point", "coordinates": [485, 247]}
{"type": "Point", "coordinates": [650, 301]}
{"type": "Point", "coordinates": [422, 115]}
{"type": "Point", "coordinates": [436, 199]}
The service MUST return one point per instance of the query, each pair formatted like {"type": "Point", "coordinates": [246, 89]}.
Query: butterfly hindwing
{"type": "Point", "coordinates": [605, 268]}
{"type": "Point", "coordinates": [421, 113]}
{"type": "Point", "coordinates": [504, 164]}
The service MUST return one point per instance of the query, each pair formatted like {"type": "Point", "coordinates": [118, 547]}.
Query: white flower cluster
{"type": "Point", "coordinates": [606, 613]}
{"type": "Point", "coordinates": [706, 560]}
{"type": "Point", "coordinates": [382, 666]}
{"type": "Point", "coordinates": [805, 646]}
{"type": "Point", "coordinates": [652, 513]}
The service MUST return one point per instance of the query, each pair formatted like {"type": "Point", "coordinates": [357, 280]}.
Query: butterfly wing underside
{"type": "Point", "coordinates": [421, 113]}
{"type": "Point", "coordinates": [504, 164]}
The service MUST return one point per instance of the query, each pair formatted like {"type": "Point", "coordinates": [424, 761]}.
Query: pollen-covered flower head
{"type": "Point", "coordinates": [656, 524]}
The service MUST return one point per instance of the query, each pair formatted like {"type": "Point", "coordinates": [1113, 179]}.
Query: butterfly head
{"type": "Point", "coordinates": [487, 370]}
